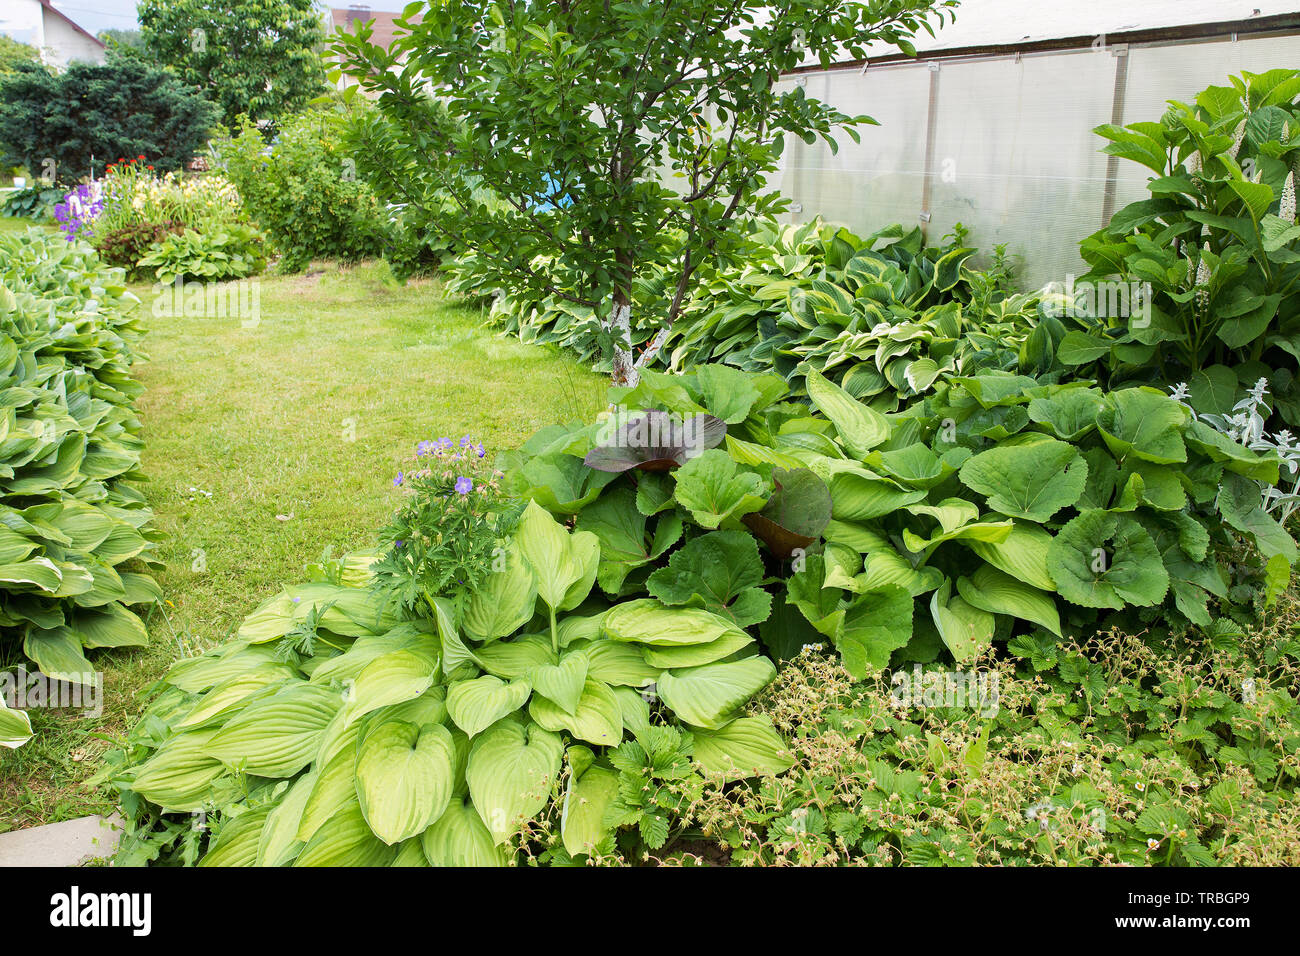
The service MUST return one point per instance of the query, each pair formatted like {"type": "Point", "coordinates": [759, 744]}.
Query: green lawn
{"type": "Point", "coordinates": [296, 428]}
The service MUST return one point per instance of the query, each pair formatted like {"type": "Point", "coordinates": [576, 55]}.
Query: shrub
{"type": "Point", "coordinates": [76, 539]}
{"type": "Point", "coordinates": [134, 193]}
{"type": "Point", "coordinates": [126, 246]}
{"type": "Point", "coordinates": [91, 112]}
{"type": "Point", "coordinates": [223, 252]}
{"type": "Point", "coordinates": [303, 191]}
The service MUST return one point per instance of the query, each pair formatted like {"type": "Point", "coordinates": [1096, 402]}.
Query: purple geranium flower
{"type": "Point", "coordinates": [463, 485]}
{"type": "Point", "coordinates": [397, 482]}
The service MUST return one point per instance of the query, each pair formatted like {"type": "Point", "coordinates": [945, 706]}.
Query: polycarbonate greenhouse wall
{"type": "Point", "coordinates": [1004, 143]}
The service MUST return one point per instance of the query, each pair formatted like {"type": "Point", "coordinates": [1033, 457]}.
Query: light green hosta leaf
{"type": "Point", "coordinates": [512, 767]}
{"type": "Point", "coordinates": [15, 727]}
{"type": "Point", "coordinates": [276, 736]}
{"type": "Point", "coordinates": [229, 694]}
{"type": "Point", "coordinates": [617, 664]}
{"type": "Point", "coordinates": [504, 602]}
{"type": "Point", "coordinates": [875, 625]}
{"type": "Point", "coordinates": [1022, 554]}
{"type": "Point", "coordinates": [564, 564]}
{"type": "Point", "coordinates": [999, 593]}
{"type": "Point", "coordinates": [405, 776]}
{"type": "Point", "coordinates": [598, 718]}
{"type": "Point", "coordinates": [345, 839]}
{"type": "Point", "coordinates": [459, 838]}
{"type": "Point", "coordinates": [1145, 423]}
{"type": "Point", "coordinates": [349, 665]}
{"type": "Point", "coordinates": [1107, 560]}
{"type": "Point", "coordinates": [967, 630]}
{"type": "Point", "coordinates": [1235, 457]}
{"type": "Point", "coordinates": [476, 705]}
{"type": "Point", "coordinates": [410, 854]}
{"type": "Point", "coordinates": [693, 655]}
{"type": "Point", "coordinates": [708, 696]}
{"type": "Point", "coordinates": [975, 531]}
{"type": "Point", "coordinates": [515, 658]}
{"type": "Point", "coordinates": [390, 679]}
{"type": "Point", "coordinates": [887, 567]}
{"type": "Point", "coordinates": [951, 513]}
{"type": "Point", "coordinates": [646, 621]}
{"type": "Point", "coordinates": [561, 683]}
{"type": "Point", "coordinates": [38, 572]}
{"type": "Point", "coordinates": [238, 841]}
{"type": "Point", "coordinates": [714, 489]}
{"type": "Point", "coordinates": [746, 747]}
{"type": "Point", "coordinates": [635, 708]}
{"type": "Point", "coordinates": [855, 497]}
{"type": "Point", "coordinates": [860, 428]}
{"type": "Point", "coordinates": [582, 822]}
{"type": "Point", "coordinates": [1032, 481]}
{"type": "Point", "coordinates": [279, 842]}
{"type": "Point", "coordinates": [334, 787]}
{"type": "Point", "coordinates": [179, 775]}
{"type": "Point", "coordinates": [197, 674]}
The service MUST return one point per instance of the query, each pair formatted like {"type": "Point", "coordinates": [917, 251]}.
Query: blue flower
{"type": "Point", "coordinates": [481, 450]}
{"type": "Point", "coordinates": [397, 482]}
{"type": "Point", "coordinates": [465, 441]}
{"type": "Point", "coordinates": [463, 485]}
{"type": "Point", "coordinates": [423, 448]}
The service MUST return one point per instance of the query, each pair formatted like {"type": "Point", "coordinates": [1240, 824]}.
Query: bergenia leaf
{"type": "Point", "coordinates": [655, 441]}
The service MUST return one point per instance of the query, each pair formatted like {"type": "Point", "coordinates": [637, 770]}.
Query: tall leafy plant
{"type": "Point", "coordinates": [1217, 244]}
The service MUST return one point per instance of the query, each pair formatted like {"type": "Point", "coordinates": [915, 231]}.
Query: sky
{"type": "Point", "coordinates": [96, 15]}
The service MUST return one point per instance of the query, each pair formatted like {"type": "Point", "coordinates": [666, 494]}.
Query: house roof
{"type": "Point", "coordinates": [383, 23]}
{"type": "Point", "coordinates": [48, 5]}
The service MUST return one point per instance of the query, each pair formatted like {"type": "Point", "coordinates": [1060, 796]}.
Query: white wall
{"type": "Point", "coordinates": [63, 44]}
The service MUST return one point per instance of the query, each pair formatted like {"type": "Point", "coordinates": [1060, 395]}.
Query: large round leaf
{"type": "Point", "coordinates": [1106, 560]}
{"type": "Point", "coordinates": [1032, 481]}
{"type": "Point", "coordinates": [459, 838]}
{"type": "Point", "coordinates": [597, 719]}
{"type": "Point", "coordinates": [477, 704]}
{"type": "Point", "coordinates": [405, 776]}
{"type": "Point", "coordinates": [512, 766]}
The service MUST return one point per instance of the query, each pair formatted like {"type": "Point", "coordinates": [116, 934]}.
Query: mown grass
{"type": "Point", "coordinates": [296, 428]}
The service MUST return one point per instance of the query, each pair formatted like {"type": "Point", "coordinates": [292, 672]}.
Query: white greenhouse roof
{"type": "Point", "coordinates": [985, 23]}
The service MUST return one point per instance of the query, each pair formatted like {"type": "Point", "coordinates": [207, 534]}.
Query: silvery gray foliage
{"type": "Point", "coordinates": [1245, 426]}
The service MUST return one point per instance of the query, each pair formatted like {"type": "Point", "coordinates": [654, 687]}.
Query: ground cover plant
{"type": "Point", "coordinates": [77, 538]}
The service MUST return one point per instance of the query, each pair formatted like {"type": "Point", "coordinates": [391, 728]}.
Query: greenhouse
{"type": "Point", "coordinates": [655, 434]}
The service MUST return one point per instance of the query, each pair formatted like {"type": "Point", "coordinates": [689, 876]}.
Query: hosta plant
{"type": "Point", "coordinates": [75, 546]}
{"type": "Point", "coordinates": [224, 252]}
{"type": "Point", "coordinates": [425, 714]}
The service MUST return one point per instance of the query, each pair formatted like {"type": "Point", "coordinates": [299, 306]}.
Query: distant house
{"type": "Point", "coordinates": [382, 24]}
{"type": "Point", "coordinates": [40, 24]}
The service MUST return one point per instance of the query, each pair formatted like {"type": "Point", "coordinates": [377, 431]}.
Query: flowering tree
{"type": "Point", "coordinates": [619, 144]}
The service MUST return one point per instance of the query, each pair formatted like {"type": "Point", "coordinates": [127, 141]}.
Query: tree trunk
{"type": "Point", "coordinates": [624, 371]}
